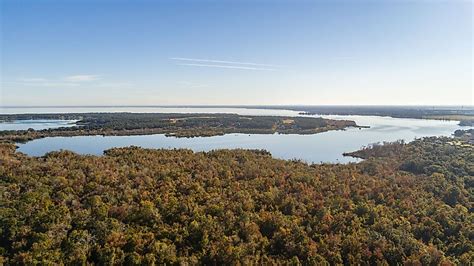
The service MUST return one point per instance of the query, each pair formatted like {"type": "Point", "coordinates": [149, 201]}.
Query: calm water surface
{"type": "Point", "coordinates": [206, 110]}
{"type": "Point", "coordinates": [36, 124]}
{"type": "Point", "coordinates": [323, 147]}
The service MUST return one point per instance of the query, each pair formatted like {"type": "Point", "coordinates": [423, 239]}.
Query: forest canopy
{"type": "Point", "coordinates": [405, 203]}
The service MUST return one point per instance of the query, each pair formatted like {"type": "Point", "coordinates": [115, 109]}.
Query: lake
{"type": "Point", "coordinates": [36, 124]}
{"type": "Point", "coordinates": [145, 109]}
{"type": "Point", "coordinates": [322, 147]}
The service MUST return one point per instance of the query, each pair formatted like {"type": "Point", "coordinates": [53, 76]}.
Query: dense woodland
{"type": "Point", "coordinates": [178, 125]}
{"type": "Point", "coordinates": [406, 203]}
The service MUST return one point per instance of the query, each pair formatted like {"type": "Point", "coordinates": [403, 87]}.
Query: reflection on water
{"type": "Point", "coordinates": [323, 147]}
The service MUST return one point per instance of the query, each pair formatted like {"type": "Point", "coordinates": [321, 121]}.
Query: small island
{"type": "Point", "coordinates": [175, 125]}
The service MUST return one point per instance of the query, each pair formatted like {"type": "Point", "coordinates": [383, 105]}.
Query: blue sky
{"type": "Point", "coordinates": [236, 52]}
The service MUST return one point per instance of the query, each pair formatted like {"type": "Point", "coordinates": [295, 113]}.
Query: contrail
{"type": "Point", "coordinates": [228, 66]}
{"type": "Point", "coordinates": [221, 61]}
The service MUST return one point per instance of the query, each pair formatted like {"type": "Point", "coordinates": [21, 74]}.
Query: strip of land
{"type": "Point", "coordinates": [464, 114]}
{"type": "Point", "coordinates": [177, 125]}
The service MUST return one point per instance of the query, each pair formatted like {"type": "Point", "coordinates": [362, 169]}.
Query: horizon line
{"type": "Point", "coordinates": [241, 105]}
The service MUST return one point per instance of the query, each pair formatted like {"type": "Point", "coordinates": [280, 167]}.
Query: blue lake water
{"type": "Point", "coordinates": [36, 124]}
{"type": "Point", "coordinates": [322, 147]}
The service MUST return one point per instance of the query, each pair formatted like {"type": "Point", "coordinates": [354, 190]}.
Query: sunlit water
{"type": "Point", "coordinates": [36, 124]}
{"type": "Point", "coordinates": [322, 147]}
{"type": "Point", "coordinates": [206, 110]}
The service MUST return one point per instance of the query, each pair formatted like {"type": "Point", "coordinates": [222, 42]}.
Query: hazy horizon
{"type": "Point", "coordinates": [236, 53]}
{"type": "Point", "coordinates": [242, 105]}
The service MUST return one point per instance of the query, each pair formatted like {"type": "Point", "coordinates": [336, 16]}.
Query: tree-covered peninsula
{"type": "Point", "coordinates": [404, 204]}
{"type": "Point", "coordinates": [178, 125]}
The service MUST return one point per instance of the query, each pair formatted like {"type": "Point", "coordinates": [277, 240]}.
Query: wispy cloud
{"type": "Point", "coordinates": [193, 85]}
{"type": "Point", "coordinates": [221, 62]}
{"type": "Point", "coordinates": [67, 81]}
{"type": "Point", "coordinates": [114, 85]}
{"type": "Point", "coordinates": [81, 78]}
{"type": "Point", "coordinates": [33, 79]}
{"type": "Point", "coordinates": [226, 66]}
{"type": "Point", "coordinates": [197, 62]}
{"type": "Point", "coordinates": [41, 83]}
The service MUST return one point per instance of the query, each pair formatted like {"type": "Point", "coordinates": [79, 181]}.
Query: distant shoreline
{"type": "Point", "coordinates": [463, 114]}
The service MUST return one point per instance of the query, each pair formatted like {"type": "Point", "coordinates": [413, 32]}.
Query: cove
{"type": "Point", "coordinates": [323, 147]}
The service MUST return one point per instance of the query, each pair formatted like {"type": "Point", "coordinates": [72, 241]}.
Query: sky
{"type": "Point", "coordinates": [259, 52]}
